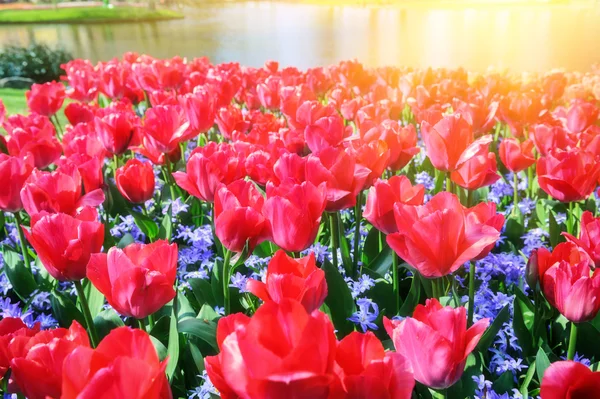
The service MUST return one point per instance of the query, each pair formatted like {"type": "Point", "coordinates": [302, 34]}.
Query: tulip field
{"type": "Point", "coordinates": [202, 231]}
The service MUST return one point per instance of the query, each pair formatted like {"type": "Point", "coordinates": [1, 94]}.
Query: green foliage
{"type": "Point", "coordinates": [37, 62]}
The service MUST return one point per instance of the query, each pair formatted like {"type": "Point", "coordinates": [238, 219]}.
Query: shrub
{"type": "Point", "coordinates": [37, 62]}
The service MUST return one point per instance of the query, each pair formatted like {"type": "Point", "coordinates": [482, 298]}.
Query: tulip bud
{"type": "Point", "coordinates": [531, 270]}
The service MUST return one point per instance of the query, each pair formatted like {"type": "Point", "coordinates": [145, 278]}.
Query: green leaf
{"type": "Point", "coordinates": [207, 313]}
{"type": "Point", "coordinates": [65, 310]}
{"type": "Point", "coordinates": [523, 321]}
{"type": "Point", "coordinates": [125, 240]}
{"type": "Point", "coordinates": [554, 229]}
{"type": "Point", "coordinates": [166, 225]}
{"type": "Point", "coordinates": [202, 290]}
{"type": "Point", "coordinates": [466, 386]}
{"type": "Point", "coordinates": [371, 246]}
{"type": "Point", "coordinates": [504, 383]}
{"type": "Point", "coordinates": [94, 297]}
{"type": "Point", "coordinates": [147, 225]}
{"type": "Point", "coordinates": [515, 229]}
{"type": "Point", "coordinates": [215, 282]}
{"type": "Point", "coordinates": [492, 332]}
{"type": "Point", "coordinates": [382, 263]}
{"type": "Point", "coordinates": [541, 363]}
{"type": "Point", "coordinates": [205, 330]}
{"type": "Point", "coordinates": [106, 321]}
{"type": "Point", "coordinates": [20, 277]}
{"type": "Point", "coordinates": [344, 246]}
{"type": "Point", "coordinates": [339, 299]}
{"type": "Point", "coordinates": [173, 346]}
{"type": "Point", "coordinates": [528, 377]}
{"type": "Point", "coordinates": [161, 350]}
{"type": "Point", "coordinates": [184, 308]}
{"type": "Point", "coordinates": [412, 299]}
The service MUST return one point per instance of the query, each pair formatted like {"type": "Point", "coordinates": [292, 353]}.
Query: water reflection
{"type": "Point", "coordinates": [518, 37]}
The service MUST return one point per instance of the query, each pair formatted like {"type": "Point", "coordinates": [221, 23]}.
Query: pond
{"type": "Point", "coordinates": [529, 37]}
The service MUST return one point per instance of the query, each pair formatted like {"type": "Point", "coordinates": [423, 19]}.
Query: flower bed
{"type": "Point", "coordinates": [202, 230]}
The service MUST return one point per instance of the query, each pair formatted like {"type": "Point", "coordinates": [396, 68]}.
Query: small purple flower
{"type": "Point", "coordinates": [367, 313]}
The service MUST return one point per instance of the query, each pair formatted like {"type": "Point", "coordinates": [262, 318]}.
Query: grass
{"type": "Point", "coordinates": [86, 15]}
{"type": "Point", "coordinates": [15, 103]}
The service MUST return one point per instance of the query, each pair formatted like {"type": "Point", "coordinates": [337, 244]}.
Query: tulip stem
{"type": "Point", "coordinates": [169, 177]}
{"type": "Point", "coordinates": [333, 226]}
{"type": "Point", "coordinates": [357, 219]}
{"type": "Point", "coordinates": [226, 259]}
{"type": "Point", "coordinates": [151, 321]}
{"type": "Point", "coordinates": [515, 193]}
{"type": "Point", "coordinates": [115, 165]}
{"type": "Point", "coordinates": [570, 219]}
{"type": "Point", "coordinates": [19, 223]}
{"type": "Point", "coordinates": [141, 325]}
{"type": "Point", "coordinates": [471, 309]}
{"type": "Point", "coordinates": [448, 183]}
{"type": "Point", "coordinates": [57, 125]}
{"type": "Point", "coordinates": [395, 282]}
{"type": "Point", "coordinates": [572, 342]}
{"type": "Point", "coordinates": [530, 181]}
{"type": "Point", "coordinates": [86, 313]}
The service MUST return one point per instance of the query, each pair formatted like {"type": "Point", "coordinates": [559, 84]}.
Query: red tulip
{"type": "Point", "coordinates": [259, 166]}
{"type": "Point", "coordinates": [46, 99]}
{"type": "Point", "coordinates": [436, 342]}
{"type": "Point", "coordinates": [568, 175]}
{"type": "Point", "coordinates": [77, 113]}
{"type": "Point", "coordinates": [199, 108]}
{"type": "Point", "coordinates": [569, 380]}
{"type": "Point", "coordinates": [35, 135]}
{"type": "Point", "coordinates": [298, 279]}
{"type": "Point", "coordinates": [82, 78]}
{"type": "Point", "coordinates": [478, 171]}
{"type": "Point", "coordinates": [135, 181]}
{"type": "Point", "coordinates": [446, 141]}
{"type": "Point", "coordinates": [164, 75]}
{"type": "Point", "coordinates": [344, 178]}
{"type": "Point", "coordinates": [437, 238]}
{"type": "Point", "coordinates": [82, 139]}
{"type": "Point", "coordinates": [373, 155]}
{"type": "Point", "coordinates": [165, 127]}
{"type": "Point", "coordinates": [124, 365]}
{"type": "Point", "coordinates": [379, 209]}
{"type": "Point", "coordinates": [290, 168]}
{"type": "Point", "coordinates": [268, 92]}
{"type": "Point", "coordinates": [116, 130]}
{"type": "Point", "coordinates": [154, 154]}
{"type": "Point", "coordinates": [14, 171]}
{"type": "Point", "coordinates": [325, 132]}
{"type": "Point", "coordinates": [117, 81]}
{"type": "Point", "coordinates": [12, 328]}
{"type": "Point", "coordinates": [485, 213]}
{"type": "Point", "coordinates": [581, 115]}
{"type": "Point", "coordinates": [238, 216]}
{"type": "Point", "coordinates": [64, 243]}
{"type": "Point", "coordinates": [230, 119]}
{"type": "Point", "coordinates": [138, 280]}
{"type": "Point", "coordinates": [309, 112]}
{"type": "Point", "coordinates": [365, 370]}
{"type": "Point", "coordinates": [293, 212]}
{"type": "Point", "coordinates": [589, 237]}
{"type": "Point", "coordinates": [567, 281]}
{"type": "Point", "coordinates": [58, 192]}
{"type": "Point", "coordinates": [38, 374]}
{"type": "Point", "coordinates": [516, 156]}
{"type": "Point", "coordinates": [273, 355]}
{"type": "Point", "coordinates": [207, 168]}
{"type": "Point", "coordinates": [547, 138]}
{"type": "Point", "coordinates": [481, 116]}
{"type": "Point", "coordinates": [401, 141]}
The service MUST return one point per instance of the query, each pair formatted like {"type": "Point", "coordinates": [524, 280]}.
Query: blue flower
{"type": "Point", "coordinates": [239, 281]}
{"type": "Point", "coordinates": [367, 313]}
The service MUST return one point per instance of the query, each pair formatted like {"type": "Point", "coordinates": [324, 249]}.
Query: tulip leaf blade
{"type": "Point", "coordinates": [523, 321]}
{"type": "Point", "coordinates": [554, 230]}
{"type": "Point", "coordinates": [205, 330]}
{"type": "Point", "coordinates": [382, 262]}
{"type": "Point", "coordinates": [173, 344]}
{"type": "Point", "coordinates": [94, 297]}
{"type": "Point", "coordinates": [541, 363]}
{"type": "Point", "coordinates": [20, 277]}
{"type": "Point", "coordinates": [165, 231]}
{"type": "Point", "coordinates": [65, 310]}
{"type": "Point", "coordinates": [106, 321]}
{"type": "Point", "coordinates": [202, 290]}
{"type": "Point", "coordinates": [161, 350]}
{"type": "Point", "coordinates": [339, 299]}
{"type": "Point", "coordinates": [412, 299]}
{"type": "Point", "coordinates": [492, 332]}
{"type": "Point", "coordinates": [147, 225]}
{"type": "Point", "coordinates": [125, 240]}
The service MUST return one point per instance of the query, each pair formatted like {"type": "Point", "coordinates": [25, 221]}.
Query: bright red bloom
{"type": "Point", "coordinates": [485, 213]}
{"type": "Point", "coordinates": [38, 373]}
{"type": "Point", "coordinates": [436, 342]}
{"type": "Point", "coordinates": [268, 92]}
{"type": "Point", "coordinates": [32, 134]}
{"type": "Point", "coordinates": [138, 280]}
{"type": "Point", "coordinates": [298, 279]}
{"type": "Point", "coordinates": [46, 99]}
{"type": "Point", "coordinates": [238, 216]}
{"type": "Point", "coordinates": [199, 108]}
{"type": "Point", "coordinates": [366, 370]}
{"type": "Point", "coordinates": [164, 75]}
{"type": "Point", "coordinates": [77, 113]}
{"type": "Point", "coordinates": [480, 115]}
{"type": "Point", "coordinates": [547, 138]}
{"type": "Point", "coordinates": [379, 209]}
{"type": "Point", "coordinates": [436, 238]}
{"type": "Point", "coordinates": [516, 155]}
{"type": "Point", "coordinates": [64, 243]}
{"type": "Point", "coordinates": [124, 365]}
{"type": "Point", "coordinates": [116, 130]}
{"type": "Point", "coordinates": [82, 139]}
{"type": "Point", "coordinates": [258, 165]}
{"type": "Point", "coordinates": [83, 80]}
{"type": "Point", "coordinates": [207, 168]}
{"type": "Point", "coordinates": [581, 115]}
{"type": "Point", "coordinates": [165, 127]}
{"type": "Point", "coordinates": [230, 119]}
{"type": "Point", "coordinates": [135, 181]}
{"type": "Point", "coordinates": [478, 171]}
{"type": "Point", "coordinates": [568, 175]}
{"type": "Point", "coordinates": [11, 328]}
{"type": "Point", "coordinates": [568, 282]}
{"type": "Point", "coordinates": [117, 81]}
{"type": "Point", "coordinates": [569, 380]}
{"type": "Point", "coordinates": [343, 176]}
{"type": "Point", "coordinates": [273, 354]}
{"type": "Point", "coordinates": [14, 171]}
{"type": "Point", "coordinates": [325, 132]}
{"type": "Point", "coordinates": [589, 236]}
{"type": "Point", "coordinates": [293, 212]}
{"type": "Point", "coordinates": [90, 169]}
{"type": "Point", "coordinates": [373, 155]}
{"type": "Point", "coordinates": [58, 192]}
{"type": "Point", "coordinates": [401, 141]}
{"type": "Point", "coordinates": [290, 167]}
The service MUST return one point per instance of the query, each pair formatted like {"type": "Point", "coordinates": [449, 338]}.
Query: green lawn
{"type": "Point", "coordinates": [15, 103]}
{"type": "Point", "coordinates": [86, 14]}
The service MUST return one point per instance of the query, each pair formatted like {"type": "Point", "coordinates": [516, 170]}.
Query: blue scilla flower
{"type": "Point", "coordinates": [367, 313]}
